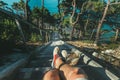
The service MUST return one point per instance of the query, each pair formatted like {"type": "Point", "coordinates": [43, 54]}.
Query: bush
{"type": "Point", "coordinates": [113, 45]}
{"type": "Point", "coordinates": [35, 37]}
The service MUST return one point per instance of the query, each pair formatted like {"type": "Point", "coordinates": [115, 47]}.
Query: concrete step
{"type": "Point", "coordinates": [38, 63]}
{"type": "Point", "coordinates": [45, 56]}
{"type": "Point", "coordinates": [31, 73]}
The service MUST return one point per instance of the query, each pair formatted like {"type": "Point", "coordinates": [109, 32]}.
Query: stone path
{"type": "Point", "coordinates": [38, 65]}
{"type": "Point", "coordinates": [41, 63]}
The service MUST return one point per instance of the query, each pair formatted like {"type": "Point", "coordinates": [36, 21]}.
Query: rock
{"type": "Point", "coordinates": [113, 59]}
{"type": "Point", "coordinates": [101, 57]}
{"type": "Point", "coordinates": [95, 54]}
{"type": "Point", "coordinates": [102, 52]}
{"type": "Point", "coordinates": [109, 51]}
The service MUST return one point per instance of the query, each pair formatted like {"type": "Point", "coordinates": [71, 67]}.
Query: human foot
{"type": "Point", "coordinates": [55, 56]}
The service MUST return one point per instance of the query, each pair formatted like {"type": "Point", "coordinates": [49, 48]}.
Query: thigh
{"type": "Point", "coordinates": [52, 75]}
{"type": "Point", "coordinates": [77, 74]}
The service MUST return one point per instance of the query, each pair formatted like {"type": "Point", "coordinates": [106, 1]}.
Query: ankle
{"type": "Point", "coordinates": [59, 63]}
{"type": "Point", "coordinates": [55, 57]}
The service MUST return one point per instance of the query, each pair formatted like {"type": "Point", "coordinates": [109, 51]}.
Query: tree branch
{"type": "Point", "coordinates": [73, 12]}
{"type": "Point", "coordinates": [79, 14]}
{"type": "Point", "coordinates": [114, 3]}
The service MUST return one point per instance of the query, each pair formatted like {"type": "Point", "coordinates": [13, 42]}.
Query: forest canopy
{"type": "Point", "coordinates": [75, 20]}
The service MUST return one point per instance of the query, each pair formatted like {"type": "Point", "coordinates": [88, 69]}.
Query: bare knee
{"type": "Point", "coordinates": [51, 75]}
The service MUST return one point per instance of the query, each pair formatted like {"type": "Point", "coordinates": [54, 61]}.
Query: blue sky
{"type": "Point", "coordinates": [50, 4]}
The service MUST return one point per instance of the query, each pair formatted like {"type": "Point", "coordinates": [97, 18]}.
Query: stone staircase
{"type": "Point", "coordinates": [38, 65]}
{"type": "Point", "coordinates": [41, 63]}
{"type": "Point", "coordinates": [36, 68]}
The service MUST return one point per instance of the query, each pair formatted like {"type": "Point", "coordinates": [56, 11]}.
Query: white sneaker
{"type": "Point", "coordinates": [55, 56]}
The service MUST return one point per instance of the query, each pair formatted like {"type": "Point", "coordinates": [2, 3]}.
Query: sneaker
{"type": "Point", "coordinates": [64, 54]}
{"type": "Point", "coordinates": [55, 56]}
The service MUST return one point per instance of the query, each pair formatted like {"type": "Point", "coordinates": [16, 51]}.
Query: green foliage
{"type": "Point", "coordinates": [22, 4]}
{"type": "Point", "coordinates": [16, 6]}
{"type": "Point", "coordinates": [87, 41]}
{"type": "Point", "coordinates": [36, 13]}
{"type": "Point", "coordinates": [95, 6]}
{"type": "Point", "coordinates": [98, 6]}
{"type": "Point", "coordinates": [39, 13]}
{"type": "Point", "coordinates": [66, 21]}
{"type": "Point", "coordinates": [35, 37]}
{"type": "Point", "coordinates": [19, 6]}
{"type": "Point", "coordinates": [115, 9]}
{"type": "Point", "coordinates": [2, 4]}
{"type": "Point", "coordinates": [56, 15]}
{"type": "Point", "coordinates": [8, 30]}
{"type": "Point", "coordinates": [113, 45]}
{"type": "Point", "coordinates": [9, 33]}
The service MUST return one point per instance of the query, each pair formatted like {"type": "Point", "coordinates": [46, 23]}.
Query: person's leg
{"type": "Point", "coordinates": [52, 75]}
{"type": "Point", "coordinates": [71, 73]}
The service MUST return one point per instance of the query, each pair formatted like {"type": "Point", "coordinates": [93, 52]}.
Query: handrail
{"type": "Point", "coordinates": [10, 69]}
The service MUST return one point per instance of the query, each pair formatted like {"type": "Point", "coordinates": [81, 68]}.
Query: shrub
{"type": "Point", "coordinates": [35, 37]}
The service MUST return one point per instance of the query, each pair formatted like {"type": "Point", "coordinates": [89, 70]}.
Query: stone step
{"type": "Point", "coordinates": [38, 63]}
{"type": "Point", "coordinates": [44, 56]}
{"type": "Point", "coordinates": [31, 73]}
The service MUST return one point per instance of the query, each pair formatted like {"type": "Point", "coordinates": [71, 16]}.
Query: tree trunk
{"type": "Point", "coordinates": [39, 26]}
{"type": "Point", "coordinates": [86, 24]}
{"type": "Point", "coordinates": [116, 36]}
{"type": "Point", "coordinates": [47, 37]}
{"type": "Point", "coordinates": [80, 34]}
{"type": "Point", "coordinates": [22, 34]}
{"type": "Point", "coordinates": [59, 7]}
{"type": "Point", "coordinates": [42, 13]}
{"type": "Point", "coordinates": [73, 23]}
{"type": "Point", "coordinates": [71, 18]}
{"type": "Point", "coordinates": [101, 22]}
{"type": "Point", "coordinates": [26, 10]}
{"type": "Point", "coordinates": [91, 36]}
{"type": "Point", "coordinates": [72, 33]}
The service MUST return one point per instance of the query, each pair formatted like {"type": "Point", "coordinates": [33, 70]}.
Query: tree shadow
{"type": "Point", "coordinates": [93, 73]}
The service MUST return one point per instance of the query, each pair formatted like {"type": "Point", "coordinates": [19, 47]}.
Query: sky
{"type": "Point", "coordinates": [50, 4]}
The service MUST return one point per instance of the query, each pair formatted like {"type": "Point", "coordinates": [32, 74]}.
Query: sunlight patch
{"type": "Point", "coordinates": [57, 43]}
